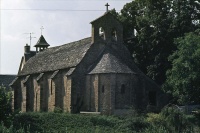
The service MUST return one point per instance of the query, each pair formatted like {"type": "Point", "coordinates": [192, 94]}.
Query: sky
{"type": "Point", "coordinates": [64, 21]}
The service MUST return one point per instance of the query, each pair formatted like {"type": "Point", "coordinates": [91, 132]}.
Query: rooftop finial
{"type": "Point", "coordinates": [41, 29]}
{"type": "Point", "coordinates": [107, 5]}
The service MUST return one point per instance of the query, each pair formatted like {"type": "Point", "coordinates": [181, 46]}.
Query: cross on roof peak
{"type": "Point", "coordinates": [107, 5]}
{"type": "Point", "coordinates": [42, 28]}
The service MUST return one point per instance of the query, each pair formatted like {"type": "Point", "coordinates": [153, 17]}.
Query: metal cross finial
{"type": "Point", "coordinates": [41, 29]}
{"type": "Point", "coordinates": [107, 5]}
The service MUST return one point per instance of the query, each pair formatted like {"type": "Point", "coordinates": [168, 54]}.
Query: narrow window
{"type": "Point", "coordinates": [51, 86]}
{"type": "Point", "coordinates": [152, 98]}
{"type": "Point", "coordinates": [114, 35]}
{"type": "Point", "coordinates": [102, 89]}
{"type": "Point", "coordinates": [36, 100]}
{"type": "Point", "coordinates": [102, 33]}
{"type": "Point", "coordinates": [123, 89]}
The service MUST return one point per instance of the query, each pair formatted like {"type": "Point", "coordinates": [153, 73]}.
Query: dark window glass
{"type": "Point", "coordinates": [123, 89]}
{"type": "Point", "coordinates": [102, 89]}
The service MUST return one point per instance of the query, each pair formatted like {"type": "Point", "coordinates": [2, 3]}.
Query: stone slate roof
{"type": "Point", "coordinates": [42, 42]}
{"type": "Point", "coordinates": [109, 63]}
{"type": "Point", "coordinates": [55, 58]}
{"type": "Point", "coordinates": [5, 80]}
{"type": "Point", "coordinates": [105, 14]}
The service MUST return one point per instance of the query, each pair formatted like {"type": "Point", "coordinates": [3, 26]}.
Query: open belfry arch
{"type": "Point", "coordinates": [95, 74]}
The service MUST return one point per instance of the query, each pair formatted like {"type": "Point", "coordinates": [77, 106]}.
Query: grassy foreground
{"type": "Point", "coordinates": [168, 121]}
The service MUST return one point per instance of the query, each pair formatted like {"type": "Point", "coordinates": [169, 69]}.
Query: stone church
{"type": "Point", "coordinates": [95, 74]}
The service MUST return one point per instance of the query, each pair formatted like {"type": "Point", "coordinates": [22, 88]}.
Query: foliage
{"type": "Point", "coordinates": [184, 76]}
{"type": "Point", "coordinates": [163, 122]}
{"type": "Point", "coordinates": [5, 105]}
{"type": "Point", "coordinates": [60, 122]}
{"type": "Point", "coordinates": [11, 129]}
{"type": "Point", "coordinates": [171, 119]}
{"type": "Point", "coordinates": [150, 27]}
{"type": "Point", "coordinates": [57, 110]}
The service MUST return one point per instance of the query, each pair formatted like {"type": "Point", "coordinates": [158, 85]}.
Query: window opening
{"type": "Point", "coordinates": [114, 35]}
{"type": "Point", "coordinates": [102, 33]}
{"type": "Point", "coordinates": [123, 89]}
{"type": "Point", "coordinates": [102, 89]}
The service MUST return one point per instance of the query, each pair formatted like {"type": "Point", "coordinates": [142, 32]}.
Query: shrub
{"type": "Point", "coordinates": [103, 121]}
{"type": "Point", "coordinates": [155, 119]}
{"type": "Point", "coordinates": [175, 120]}
{"type": "Point", "coordinates": [5, 106]}
{"type": "Point", "coordinates": [58, 110]}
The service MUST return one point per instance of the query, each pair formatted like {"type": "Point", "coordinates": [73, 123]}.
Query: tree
{"type": "Point", "coordinates": [150, 27]}
{"type": "Point", "coordinates": [184, 76]}
{"type": "Point", "coordinates": [5, 104]}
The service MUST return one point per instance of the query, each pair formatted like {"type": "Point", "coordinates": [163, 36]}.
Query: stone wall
{"type": "Point", "coordinates": [23, 102]}
{"type": "Point", "coordinates": [105, 93]}
{"type": "Point", "coordinates": [108, 23]}
{"type": "Point", "coordinates": [67, 92]}
{"type": "Point", "coordinates": [29, 95]}
{"type": "Point", "coordinates": [111, 93]}
{"type": "Point", "coordinates": [123, 91]}
{"type": "Point", "coordinates": [17, 95]}
{"type": "Point", "coordinates": [44, 94]}
{"type": "Point", "coordinates": [36, 94]}
{"type": "Point", "coordinates": [51, 99]}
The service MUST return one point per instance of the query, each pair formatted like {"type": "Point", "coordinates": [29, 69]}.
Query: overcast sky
{"type": "Point", "coordinates": [64, 21]}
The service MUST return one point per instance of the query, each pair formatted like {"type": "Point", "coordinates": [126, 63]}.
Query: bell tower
{"type": "Point", "coordinates": [107, 28]}
{"type": "Point", "coordinates": [41, 44]}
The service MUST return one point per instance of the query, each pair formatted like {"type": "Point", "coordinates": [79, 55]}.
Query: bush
{"type": "Point", "coordinates": [155, 119]}
{"type": "Point", "coordinates": [164, 122]}
{"type": "Point", "coordinates": [5, 106]}
{"type": "Point", "coordinates": [134, 121]}
{"type": "Point", "coordinates": [60, 122]}
{"type": "Point", "coordinates": [57, 110]}
{"type": "Point", "coordinates": [105, 121]}
{"type": "Point", "coordinates": [175, 120]}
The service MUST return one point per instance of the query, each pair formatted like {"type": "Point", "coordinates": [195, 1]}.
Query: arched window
{"type": "Point", "coordinates": [114, 35]}
{"type": "Point", "coordinates": [102, 33]}
{"type": "Point", "coordinates": [123, 87]}
{"type": "Point", "coordinates": [102, 89]}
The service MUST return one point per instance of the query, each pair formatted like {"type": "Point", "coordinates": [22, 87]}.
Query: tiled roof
{"type": "Point", "coordinates": [55, 58]}
{"type": "Point", "coordinates": [41, 42]}
{"type": "Point", "coordinates": [108, 14]}
{"type": "Point", "coordinates": [109, 63]}
{"type": "Point", "coordinates": [5, 80]}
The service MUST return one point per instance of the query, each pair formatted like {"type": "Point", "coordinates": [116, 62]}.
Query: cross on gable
{"type": "Point", "coordinates": [107, 5]}
{"type": "Point", "coordinates": [41, 29]}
